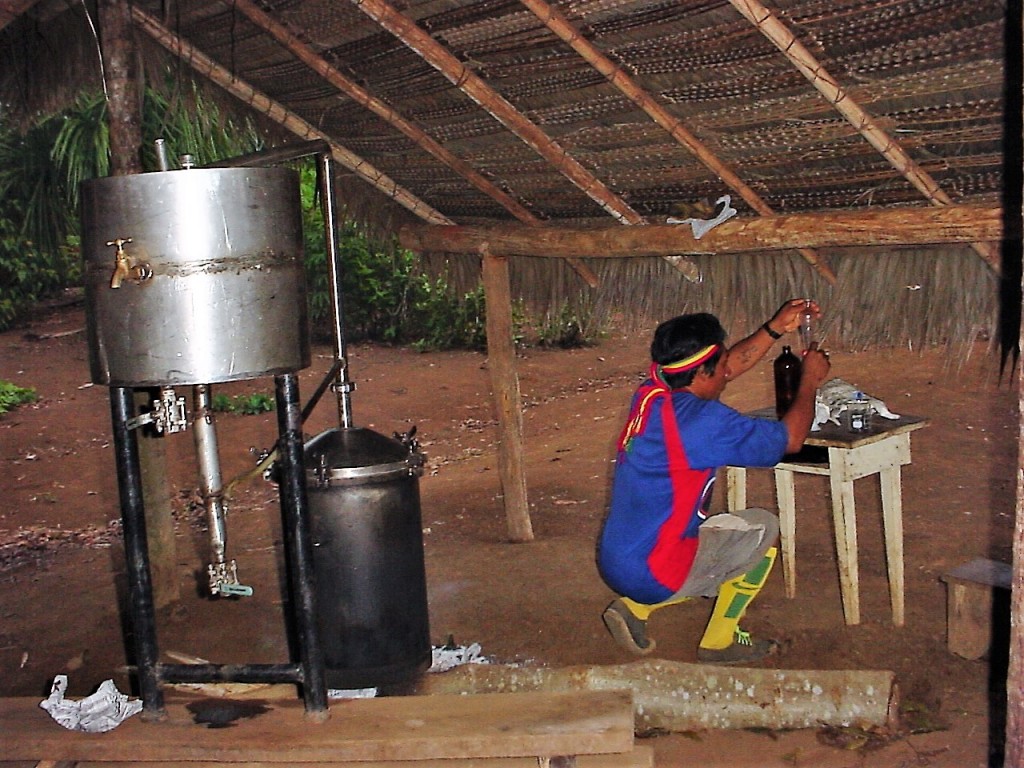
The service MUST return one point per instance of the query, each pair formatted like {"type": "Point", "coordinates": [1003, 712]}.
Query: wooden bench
{"type": "Point", "coordinates": [969, 602]}
{"type": "Point", "coordinates": [501, 730]}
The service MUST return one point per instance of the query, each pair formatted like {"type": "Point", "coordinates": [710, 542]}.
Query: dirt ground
{"type": "Point", "coordinates": [540, 602]}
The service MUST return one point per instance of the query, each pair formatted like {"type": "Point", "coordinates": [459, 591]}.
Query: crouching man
{"type": "Point", "coordinates": [658, 545]}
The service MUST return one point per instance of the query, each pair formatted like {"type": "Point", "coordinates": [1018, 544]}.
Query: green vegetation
{"type": "Point", "coordinates": [385, 296]}
{"type": "Point", "coordinates": [247, 405]}
{"type": "Point", "coordinates": [41, 170]}
{"type": "Point", "coordinates": [11, 396]}
{"type": "Point", "coordinates": [567, 328]}
{"type": "Point", "coordinates": [447, 321]}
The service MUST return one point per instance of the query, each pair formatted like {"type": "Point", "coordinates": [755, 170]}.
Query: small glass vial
{"type": "Point", "coordinates": [858, 413]}
{"type": "Point", "coordinates": [806, 326]}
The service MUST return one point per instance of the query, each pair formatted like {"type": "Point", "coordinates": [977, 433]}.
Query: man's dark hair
{"type": "Point", "coordinates": [683, 336]}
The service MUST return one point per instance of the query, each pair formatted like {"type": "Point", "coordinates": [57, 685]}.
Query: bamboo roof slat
{"type": "Point", "coordinates": [932, 75]}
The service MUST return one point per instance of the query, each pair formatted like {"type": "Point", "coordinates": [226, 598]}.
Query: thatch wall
{"type": "Point", "coordinates": [916, 298]}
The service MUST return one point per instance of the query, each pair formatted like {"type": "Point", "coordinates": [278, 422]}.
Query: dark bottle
{"type": "Point", "coordinates": [787, 380]}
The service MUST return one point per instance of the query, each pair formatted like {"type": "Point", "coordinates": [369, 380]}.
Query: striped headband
{"type": "Point", "coordinates": [693, 361]}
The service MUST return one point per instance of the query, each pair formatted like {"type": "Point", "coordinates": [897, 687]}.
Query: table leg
{"type": "Point", "coordinates": [892, 520]}
{"type": "Point", "coordinates": [785, 494]}
{"type": "Point", "coordinates": [736, 488]}
{"type": "Point", "coordinates": [844, 515]}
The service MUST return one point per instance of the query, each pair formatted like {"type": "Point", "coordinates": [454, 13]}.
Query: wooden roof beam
{"type": "Point", "coordinates": [777, 32]}
{"type": "Point", "coordinates": [261, 103]}
{"type": "Point", "coordinates": [417, 40]}
{"type": "Point", "coordinates": [890, 227]}
{"type": "Point", "coordinates": [390, 115]}
{"type": "Point", "coordinates": [560, 25]}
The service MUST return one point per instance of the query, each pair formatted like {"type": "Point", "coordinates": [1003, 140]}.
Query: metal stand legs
{"type": "Point", "coordinates": [298, 540]}
{"type": "Point", "coordinates": [140, 586]}
{"type": "Point", "coordinates": [309, 671]}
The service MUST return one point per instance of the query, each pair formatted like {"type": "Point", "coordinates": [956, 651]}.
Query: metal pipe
{"type": "Point", "coordinates": [162, 162]}
{"type": "Point", "coordinates": [275, 156]}
{"type": "Point", "coordinates": [211, 485]}
{"type": "Point", "coordinates": [335, 369]}
{"type": "Point", "coordinates": [343, 388]}
{"type": "Point", "coordinates": [231, 673]}
{"type": "Point", "coordinates": [298, 540]}
{"type": "Point", "coordinates": [140, 586]}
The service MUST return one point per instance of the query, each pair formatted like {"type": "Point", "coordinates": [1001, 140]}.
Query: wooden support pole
{"type": "Point", "coordinates": [871, 227]}
{"type": "Point", "coordinates": [501, 356]}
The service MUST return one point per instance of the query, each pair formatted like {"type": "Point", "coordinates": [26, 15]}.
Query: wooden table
{"type": "Point", "coordinates": [844, 456]}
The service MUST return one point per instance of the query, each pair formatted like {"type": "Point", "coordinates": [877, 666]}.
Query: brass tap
{"type": "Point", "coordinates": [123, 267]}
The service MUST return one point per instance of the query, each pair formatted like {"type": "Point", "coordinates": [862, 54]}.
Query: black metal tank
{"type": "Point", "coordinates": [368, 559]}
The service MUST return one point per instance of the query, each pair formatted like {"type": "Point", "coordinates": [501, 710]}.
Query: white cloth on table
{"type": "Point", "coordinates": [833, 397]}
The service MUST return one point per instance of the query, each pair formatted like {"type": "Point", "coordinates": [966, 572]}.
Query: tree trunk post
{"type": "Point", "coordinates": [124, 116]}
{"type": "Point", "coordinates": [501, 356]}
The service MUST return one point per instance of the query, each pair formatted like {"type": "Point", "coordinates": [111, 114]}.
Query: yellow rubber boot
{"type": "Point", "coordinates": [643, 611]}
{"type": "Point", "coordinates": [723, 627]}
{"type": "Point", "coordinates": [626, 620]}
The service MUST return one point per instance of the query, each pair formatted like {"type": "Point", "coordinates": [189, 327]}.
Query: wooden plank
{"type": "Point", "coordinates": [641, 756]}
{"type": "Point", "coordinates": [398, 728]}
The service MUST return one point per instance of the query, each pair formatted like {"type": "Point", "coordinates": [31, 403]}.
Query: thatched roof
{"type": "Point", "coordinates": [606, 112]}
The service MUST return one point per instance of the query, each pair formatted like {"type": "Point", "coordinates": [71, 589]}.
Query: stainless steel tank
{"type": "Point", "coordinates": [368, 562]}
{"type": "Point", "coordinates": [194, 276]}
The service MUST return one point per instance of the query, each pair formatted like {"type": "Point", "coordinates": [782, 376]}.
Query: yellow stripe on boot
{"type": "Point", "coordinates": [733, 598]}
{"type": "Point", "coordinates": [643, 611]}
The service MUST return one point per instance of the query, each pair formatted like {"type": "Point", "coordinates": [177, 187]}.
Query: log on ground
{"type": "Point", "coordinates": [680, 697]}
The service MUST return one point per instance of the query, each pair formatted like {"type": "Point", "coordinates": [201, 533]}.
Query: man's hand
{"type": "Point", "coordinates": [787, 317]}
{"type": "Point", "coordinates": [800, 415]}
{"type": "Point", "coordinates": [816, 366]}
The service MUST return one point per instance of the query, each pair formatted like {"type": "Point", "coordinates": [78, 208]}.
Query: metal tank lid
{"type": "Point", "coordinates": [356, 453]}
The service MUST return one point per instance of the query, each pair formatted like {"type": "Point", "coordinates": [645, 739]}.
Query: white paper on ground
{"type": "Point", "coordinates": [446, 657]}
{"type": "Point", "coordinates": [102, 711]}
